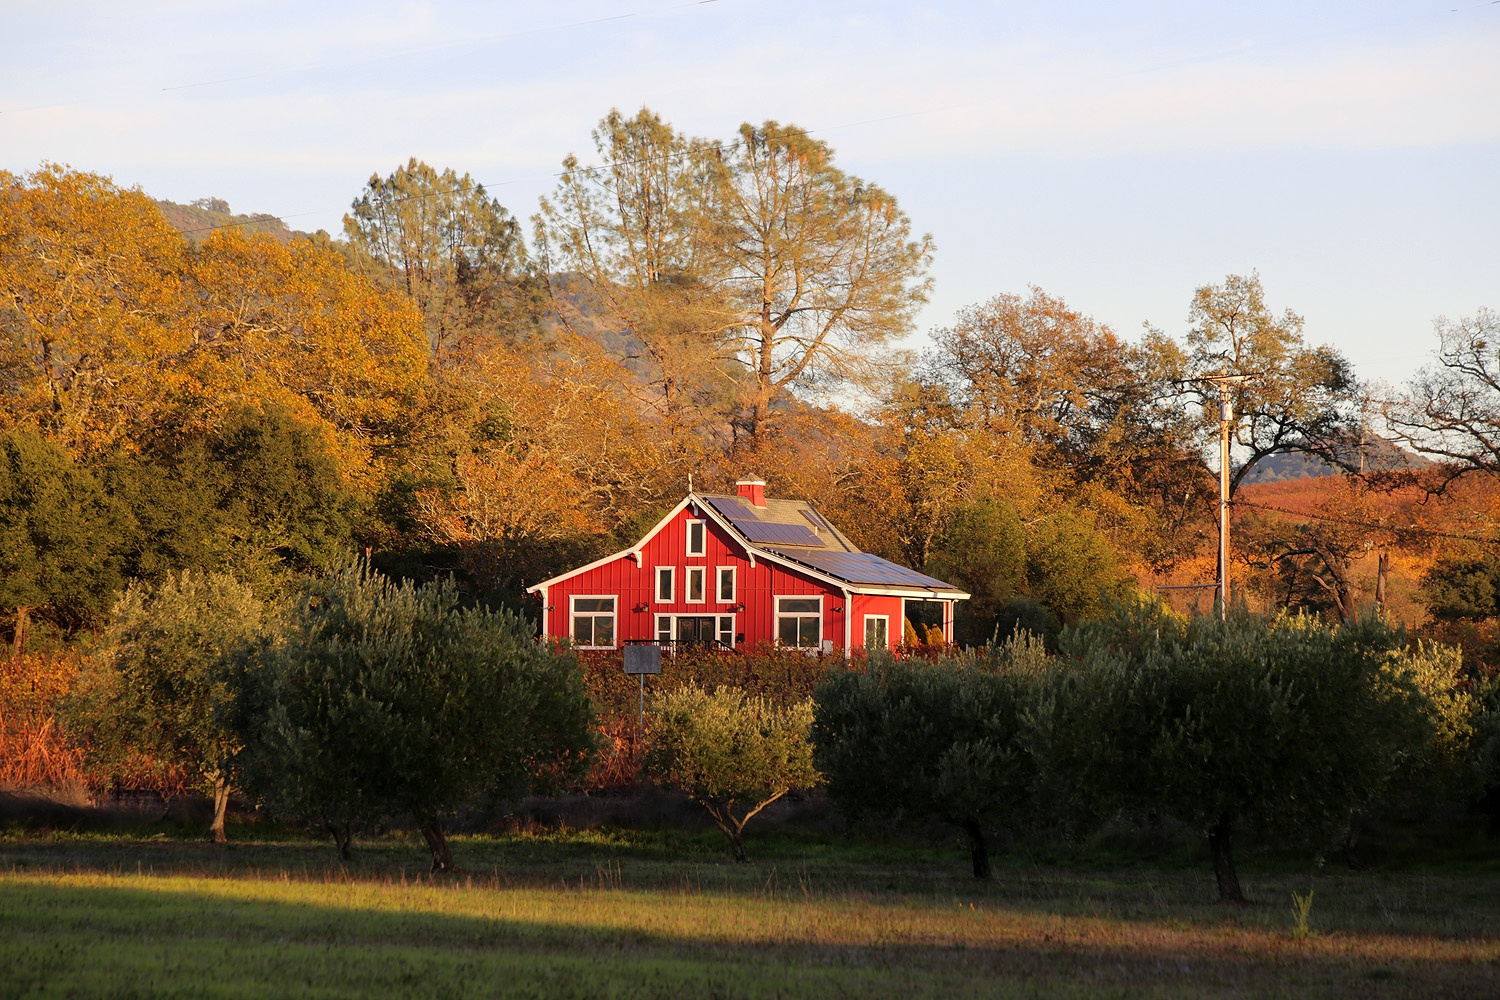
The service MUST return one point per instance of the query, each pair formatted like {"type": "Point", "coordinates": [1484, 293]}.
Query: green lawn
{"type": "Point", "coordinates": [601, 914]}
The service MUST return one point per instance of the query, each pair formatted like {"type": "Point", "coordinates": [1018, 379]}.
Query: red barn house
{"type": "Point", "coordinates": [739, 571]}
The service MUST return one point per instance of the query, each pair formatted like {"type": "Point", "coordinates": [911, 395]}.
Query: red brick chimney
{"type": "Point", "coordinates": [753, 490]}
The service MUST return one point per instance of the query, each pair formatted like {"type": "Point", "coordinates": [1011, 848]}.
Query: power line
{"type": "Point", "coordinates": [1413, 530]}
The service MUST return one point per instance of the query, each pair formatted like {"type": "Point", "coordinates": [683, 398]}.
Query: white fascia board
{"type": "Point", "coordinates": [582, 569]}
{"type": "Point", "coordinates": [916, 595]}
{"type": "Point", "coordinates": [634, 551]}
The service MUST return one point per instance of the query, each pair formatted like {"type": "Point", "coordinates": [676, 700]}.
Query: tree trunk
{"type": "Point", "coordinates": [18, 640]}
{"type": "Point", "coordinates": [342, 838]}
{"type": "Point", "coordinates": [442, 857]}
{"type": "Point", "coordinates": [1351, 840]}
{"type": "Point", "coordinates": [737, 843]}
{"type": "Point", "coordinates": [1382, 568]}
{"type": "Point", "coordinates": [221, 807]}
{"type": "Point", "coordinates": [979, 851]}
{"type": "Point", "coordinates": [1224, 873]}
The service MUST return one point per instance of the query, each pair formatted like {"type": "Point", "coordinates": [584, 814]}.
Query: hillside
{"type": "Point", "coordinates": [198, 219]}
{"type": "Point", "coordinates": [1374, 454]}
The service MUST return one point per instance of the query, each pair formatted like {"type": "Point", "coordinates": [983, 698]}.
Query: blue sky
{"type": "Point", "coordinates": [1118, 154]}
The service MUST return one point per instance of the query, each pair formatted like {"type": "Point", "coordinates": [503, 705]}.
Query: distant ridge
{"type": "Point", "coordinates": [1379, 454]}
{"type": "Point", "coordinates": [199, 218]}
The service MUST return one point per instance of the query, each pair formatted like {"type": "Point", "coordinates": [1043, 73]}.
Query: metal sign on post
{"type": "Point", "coordinates": [642, 660]}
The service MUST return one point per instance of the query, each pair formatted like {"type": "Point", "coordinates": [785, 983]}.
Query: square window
{"type": "Point", "coordinates": [877, 632]}
{"type": "Point", "coordinates": [799, 622]}
{"type": "Point", "coordinates": [594, 622]}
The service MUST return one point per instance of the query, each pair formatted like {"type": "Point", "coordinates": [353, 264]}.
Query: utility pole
{"type": "Point", "coordinates": [1224, 383]}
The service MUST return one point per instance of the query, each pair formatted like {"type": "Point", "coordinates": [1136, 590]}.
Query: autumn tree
{"type": "Point", "coordinates": [821, 267]}
{"type": "Point", "coordinates": [91, 299]}
{"type": "Point", "coordinates": [115, 328]}
{"type": "Point", "coordinates": [630, 245]}
{"type": "Point", "coordinates": [545, 463]}
{"type": "Point", "coordinates": [1094, 411]}
{"type": "Point", "coordinates": [1299, 398]}
{"type": "Point", "coordinates": [1308, 558]}
{"type": "Point", "coordinates": [450, 246]}
{"type": "Point", "coordinates": [1451, 410]}
{"type": "Point", "coordinates": [293, 326]}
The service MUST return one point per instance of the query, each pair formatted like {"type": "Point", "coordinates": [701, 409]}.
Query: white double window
{"type": "Point", "coordinates": [877, 631]}
{"type": "Point", "coordinates": [593, 622]}
{"type": "Point", "coordinates": [799, 622]}
{"type": "Point", "coordinates": [724, 590]}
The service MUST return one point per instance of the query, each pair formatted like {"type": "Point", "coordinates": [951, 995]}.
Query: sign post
{"type": "Point", "coordinates": [642, 660]}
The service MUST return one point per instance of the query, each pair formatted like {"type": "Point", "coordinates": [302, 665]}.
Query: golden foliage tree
{"type": "Point", "coordinates": [114, 327]}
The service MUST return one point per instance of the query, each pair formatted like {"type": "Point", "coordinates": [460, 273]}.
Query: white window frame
{"type": "Point", "coordinates": [671, 598]}
{"type": "Point", "coordinates": [614, 617]}
{"type": "Point", "coordinates": [702, 537]}
{"type": "Point", "coordinates": [687, 585]}
{"type": "Point", "coordinates": [734, 584]}
{"type": "Point", "coordinates": [776, 606]}
{"type": "Point", "coordinates": [882, 618]}
{"type": "Point", "coordinates": [666, 636]}
{"type": "Point", "coordinates": [727, 638]}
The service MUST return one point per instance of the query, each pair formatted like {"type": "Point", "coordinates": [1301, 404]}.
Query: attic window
{"type": "Point", "coordinates": [696, 535]}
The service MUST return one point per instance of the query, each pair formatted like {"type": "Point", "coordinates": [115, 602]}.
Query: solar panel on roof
{"type": "Point", "coordinates": [861, 567]}
{"type": "Point", "coordinates": [731, 508]}
{"type": "Point", "coordinates": [764, 532]}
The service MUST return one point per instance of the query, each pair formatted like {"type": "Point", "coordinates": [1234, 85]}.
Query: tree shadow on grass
{"type": "Point", "coordinates": [126, 935]}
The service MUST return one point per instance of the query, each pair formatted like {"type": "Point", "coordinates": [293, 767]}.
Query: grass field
{"type": "Point", "coordinates": [620, 914]}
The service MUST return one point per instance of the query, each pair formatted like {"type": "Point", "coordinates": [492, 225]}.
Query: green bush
{"type": "Point", "coordinates": [733, 754]}
{"type": "Point", "coordinates": [1288, 726]}
{"type": "Point", "coordinates": [159, 691]}
{"type": "Point", "coordinates": [387, 698]}
{"type": "Point", "coordinates": [947, 737]}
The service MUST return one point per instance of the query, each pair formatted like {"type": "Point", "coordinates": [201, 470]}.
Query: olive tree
{"type": "Point", "coordinates": [387, 698]}
{"type": "Point", "coordinates": [946, 738]}
{"type": "Point", "coordinates": [733, 754]}
{"type": "Point", "coordinates": [159, 688]}
{"type": "Point", "coordinates": [1288, 726]}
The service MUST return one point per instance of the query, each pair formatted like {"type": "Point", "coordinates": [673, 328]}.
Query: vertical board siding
{"type": "Point", "coordinates": [869, 604]}
{"type": "Point", "coordinates": [635, 585]}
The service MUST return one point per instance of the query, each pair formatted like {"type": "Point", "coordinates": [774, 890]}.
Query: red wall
{"type": "Point", "coordinates": [869, 604]}
{"type": "Point", "coordinates": [634, 585]}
